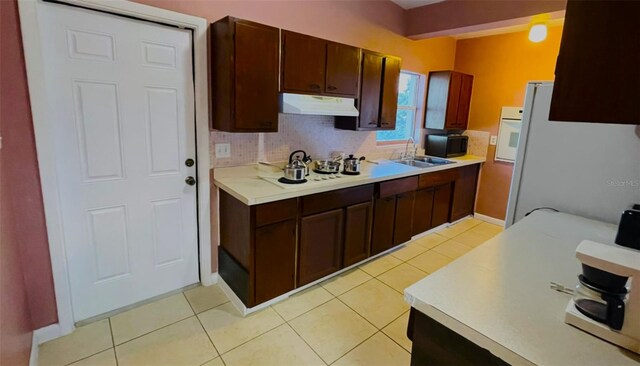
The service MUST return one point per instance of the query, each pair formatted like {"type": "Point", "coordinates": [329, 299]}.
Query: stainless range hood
{"type": "Point", "coordinates": [317, 105]}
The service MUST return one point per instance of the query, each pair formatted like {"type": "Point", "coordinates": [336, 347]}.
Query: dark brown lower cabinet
{"type": "Point", "coordinates": [441, 204]}
{"type": "Point", "coordinates": [383, 224]}
{"type": "Point", "coordinates": [435, 344]}
{"type": "Point", "coordinates": [357, 233]}
{"type": "Point", "coordinates": [422, 210]}
{"type": "Point", "coordinates": [402, 229]}
{"type": "Point", "coordinates": [320, 251]}
{"type": "Point", "coordinates": [275, 260]}
{"type": "Point", "coordinates": [464, 192]}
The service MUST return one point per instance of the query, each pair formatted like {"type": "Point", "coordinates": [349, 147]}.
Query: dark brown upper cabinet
{"type": "Point", "coordinates": [244, 76]}
{"type": "Point", "coordinates": [343, 68]}
{"type": "Point", "coordinates": [448, 100]}
{"type": "Point", "coordinates": [316, 66]}
{"type": "Point", "coordinates": [303, 63]}
{"type": "Point", "coordinates": [378, 97]}
{"type": "Point", "coordinates": [598, 67]}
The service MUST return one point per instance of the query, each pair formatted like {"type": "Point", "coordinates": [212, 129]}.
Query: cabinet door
{"type": "Point", "coordinates": [320, 251]}
{"type": "Point", "coordinates": [453, 99]}
{"type": "Point", "coordinates": [389, 100]}
{"type": "Point", "coordinates": [303, 63]}
{"type": "Point", "coordinates": [597, 70]}
{"type": "Point", "coordinates": [256, 83]}
{"type": "Point", "coordinates": [370, 90]}
{"type": "Point", "coordinates": [464, 192]}
{"type": "Point", "coordinates": [383, 224]}
{"type": "Point", "coordinates": [441, 204]}
{"type": "Point", "coordinates": [422, 209]}
{"type": "Point", "coordinates": [343, 70]}
{"type": "Point", "coordinates": [357, 233]}
{"type": "Point", "coordinates": [275, 247]}
{"type": "Point", "coordinates": [403, 228]}
{"type": "Point", "coordinates": [464, 102]}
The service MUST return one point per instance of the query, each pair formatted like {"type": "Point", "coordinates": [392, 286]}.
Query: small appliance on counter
{"type": "Point", "coordinates": [297, 168]}
{"type": "Point", "coordinates": [446, 146]}
{"type": "Point", "coordinates": [352, 165]}
{"type": "Point", "coordinates": [328, 166]}
{"type": "Point", "coordinates": [606, 303]}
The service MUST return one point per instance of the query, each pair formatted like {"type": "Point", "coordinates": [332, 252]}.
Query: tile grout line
{"type": "Point", "coordinates": [305, 341]}
{"type": "Point", "coordinates": [249, 340]}
{"type": "Point", "coordinates": [382, 330]}
{"type": "Point", "coordinates": [315, 307]}
{"type": "Point", "coordinates": [203, 329]}
{"type": "Point", "coordinates": [162, 327]}
{"type": "Point", "coordinates": [91, 355]}
{"type": "Point", "coordinates": [115, 354]}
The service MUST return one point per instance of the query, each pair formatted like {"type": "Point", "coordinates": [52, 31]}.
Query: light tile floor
{"type": "Point", "coordinates": [356, 318]}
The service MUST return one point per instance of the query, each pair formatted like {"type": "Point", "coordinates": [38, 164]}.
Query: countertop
{"type": "Point", "coordinates": [498, 294]}
{"type": "Point", "coordinates": [255, 184]}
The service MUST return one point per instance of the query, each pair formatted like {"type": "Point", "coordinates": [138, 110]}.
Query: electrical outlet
{"type": "Point", "coordinates": [223, 150]}
{"type": "Point", "coordinates": [494, 140]}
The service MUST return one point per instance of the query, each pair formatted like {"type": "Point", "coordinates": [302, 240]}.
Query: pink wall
{"type": "Point", "coordinates": [375, 25]}
{"type": "Point", "coordinates": [28, 300]}
{"type": "Point", "coordinates": [461, 16]}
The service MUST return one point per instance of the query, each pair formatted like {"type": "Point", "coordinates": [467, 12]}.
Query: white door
{"type": "Point", "coordinates": [122, 115]}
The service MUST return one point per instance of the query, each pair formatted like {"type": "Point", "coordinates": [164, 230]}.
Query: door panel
{"type": "Point", "coordinates": [357, 233]}
{"type": "Point", "coordinates": [464, 192]}
{"type": "Point", "coordinates": [441, 204]}
{"type": "Point", "coordinates": [122, 122]}
{"type": "Point", "coordinates": [404, 218]}
{"type": "Point", "coordinates": [389, 104]}
{"type": "Point", "coordinates": [371, 89]}
{"type": "Point", "coordinates": [256, 85]}
{"type": "Point", "coordinates": [422, 210]}
{"type": "Point", "coordinates": [453, 99]}
{"type": "Point", "coordinates": [320, 245]}
{"type": "Point", "coordinates": [343, 68]}
{"type": "Point", "coordinates": [383, 224]}
{"type": "Point", "coordinates": [303, 63]}
{"type": "Point", "coordinates": [464, 102]}
{"type": "Point", "coordinates": [275, 260]}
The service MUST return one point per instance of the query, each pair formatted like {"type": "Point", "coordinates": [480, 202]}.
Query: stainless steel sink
{"type": "Point", "coordinates": [424, 161]}
{"type": "Point", "coordinates": [432, 160]}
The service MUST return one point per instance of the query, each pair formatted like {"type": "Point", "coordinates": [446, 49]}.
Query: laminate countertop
{"type": "Point", "coordinates": [257, 183]}
{"type": "Point", "coordinates": [498, 295]}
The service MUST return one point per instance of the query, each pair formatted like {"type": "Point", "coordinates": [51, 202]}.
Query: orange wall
{"type": "Point", "coordinates": [501, 65]}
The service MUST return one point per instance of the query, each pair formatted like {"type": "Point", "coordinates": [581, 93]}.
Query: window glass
{"type": "Point", "coordinates": [407, 109]}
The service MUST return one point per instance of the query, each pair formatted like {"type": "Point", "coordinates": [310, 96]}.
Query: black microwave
{"type": "Point", "coordinates": [446, 146]}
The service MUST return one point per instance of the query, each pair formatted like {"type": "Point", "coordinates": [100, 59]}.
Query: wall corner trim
{"type": "Point", "coordinates": [489, 219]}
{"type": "Point", "coordinates": [45, 334]}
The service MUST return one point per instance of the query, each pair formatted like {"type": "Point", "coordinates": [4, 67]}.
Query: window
{"type": "Point", "coordinates": [407, 110]}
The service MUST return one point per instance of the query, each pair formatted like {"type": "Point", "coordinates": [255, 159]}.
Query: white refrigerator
{"type": "Point", "coordinates": [585, 169]}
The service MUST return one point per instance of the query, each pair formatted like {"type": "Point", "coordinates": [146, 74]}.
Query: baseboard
{"type": "Point", "coordinates": [212, 279]}
{"type": "Point", "coordinates": [47, 333]}
{"type": "Point", "coordinates": [489, 219]}
{"type": "Point", "coordinates": [33, 357]}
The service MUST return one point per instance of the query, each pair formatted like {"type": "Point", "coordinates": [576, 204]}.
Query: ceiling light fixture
{"type": "Point", "coordinates": [538, 33]}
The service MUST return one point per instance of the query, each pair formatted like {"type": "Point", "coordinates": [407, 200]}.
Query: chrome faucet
{"type": "Point", "coordinates": [414, 151]}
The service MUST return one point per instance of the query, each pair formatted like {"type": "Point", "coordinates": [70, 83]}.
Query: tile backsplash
{"type": "Point", "coordinates": [314, 134]}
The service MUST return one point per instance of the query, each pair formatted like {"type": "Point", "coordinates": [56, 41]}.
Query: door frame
{"type": "Point", "coordinates": [45, 145]}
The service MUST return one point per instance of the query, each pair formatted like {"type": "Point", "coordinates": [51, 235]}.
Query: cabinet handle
{"type": "Point", "coordinates": [331, 87]}
{"type": "Point", "coordinates": [373, 123]}
{"type": "Point", "coordinates": [314, 86]}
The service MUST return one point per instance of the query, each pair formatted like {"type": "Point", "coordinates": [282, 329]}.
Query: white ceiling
{"type": "Point", "coordinates": [410, 4]}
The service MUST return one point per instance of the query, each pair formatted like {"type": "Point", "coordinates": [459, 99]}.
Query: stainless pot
{"type": "Point", "coordinates": [306, 159]}
{"type": "Point", "coordinates": [327, 166]}
{"type": "Point", "coordinates": [352, 164]}
{"type": "Point", "coordinates": [295, 171]}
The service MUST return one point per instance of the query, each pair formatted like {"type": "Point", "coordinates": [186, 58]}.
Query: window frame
{"type": "Point", "coordinates": [416, 108]}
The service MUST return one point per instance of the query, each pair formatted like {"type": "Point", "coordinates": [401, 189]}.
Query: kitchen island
{"type": "Point", "coordinates": [494, 305]}
{"type": "Point", "coordinates": [277, 239]}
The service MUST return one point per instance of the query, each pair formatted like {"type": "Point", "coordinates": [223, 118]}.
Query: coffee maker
{"type": "Point", "coordinates": [606, 303]}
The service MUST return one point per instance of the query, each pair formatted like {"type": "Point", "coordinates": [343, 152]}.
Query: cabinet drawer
{"type": "Point", "coordinates": [437, 178]}
{"type": "Point", "coordinates": [273, 212]}
{"type": "Point", "coordinates": [336, 199]}
{"type": "Point", "coordinates": [397, 186]}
